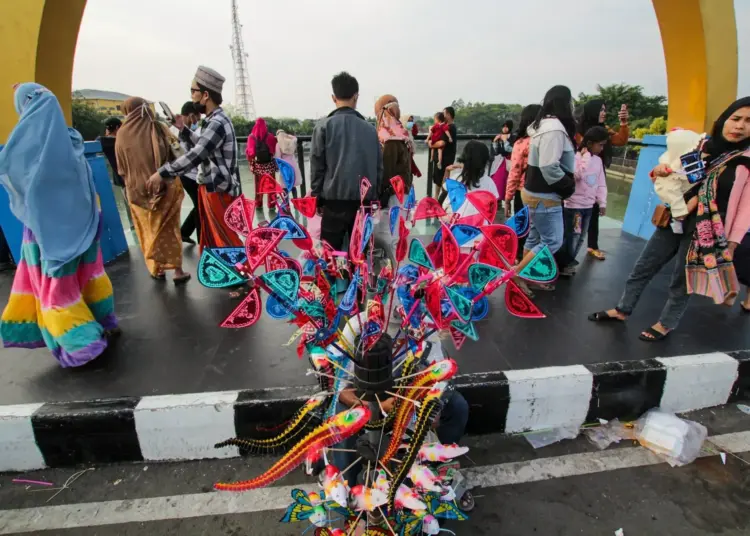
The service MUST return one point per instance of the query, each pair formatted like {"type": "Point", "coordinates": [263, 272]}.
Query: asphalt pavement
{"type": "Point", "coordinates": [563, 489]}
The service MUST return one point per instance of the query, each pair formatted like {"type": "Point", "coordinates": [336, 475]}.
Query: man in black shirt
{"type": "Point", "coordinates": [448, 144]}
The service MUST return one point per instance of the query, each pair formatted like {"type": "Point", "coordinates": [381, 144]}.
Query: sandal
{"type": "Point", "coordinates": [159, 277]}
{"type": "Point", "coordinates": [602, 316]}
{"type": "Point", "coordinates": [743, 309]}
{"type": "Point", "coordinates": [654, 335]}
{"type": "Point", "coordinates": [182, 280]}
{"type": "Point", "coordinates": [546, 287]}
{"type": "Point", "coordinates": [597, 254]}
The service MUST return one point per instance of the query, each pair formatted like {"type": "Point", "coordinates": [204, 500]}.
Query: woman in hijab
{"type": "Point", "coordinates": [413, 129]}
{"type": "Point", "coordinates": [397, 147]}
{"type": "Point", "coordinates": [713, 232]}
{"type": "Point", "coordinates": [261, 146]}
{"type": "Point", "coordinates": [286, 150]}
{"type": "Point", "coordinates": [61, 296]}
{"type": "Point", "coordinates": [143, 146]}
{"type": "Point", "coordinates": [594, 115]}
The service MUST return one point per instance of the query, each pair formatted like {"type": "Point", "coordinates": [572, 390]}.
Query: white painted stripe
{"type": "Point", "coordinates": [278, 498]}
{"type": "Point", "coordinates": [18, 448]}
{"type": "Point", "coordinates": [548, 397]}
{"type": "Point", "coordinates": [697, 381]}
{"type": "Point", "coordinates": [185, 427]}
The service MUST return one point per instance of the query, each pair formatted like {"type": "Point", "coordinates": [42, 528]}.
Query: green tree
{"type": "Point", "coordinates": [87, 120]}
{"type": "Point", "coordinates": [483, 118]}
{"type": "Point", "coordinates": [640, 106]}
{"type": "Point", "coordinates": [658, 126]}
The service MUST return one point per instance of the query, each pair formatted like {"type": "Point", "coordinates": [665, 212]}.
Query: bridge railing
{"type": "Point", "coordinates": [623, 162]}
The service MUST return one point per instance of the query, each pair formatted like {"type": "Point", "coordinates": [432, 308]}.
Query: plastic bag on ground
{"type": "Point", "coordinates": [677, 440]}
{"type": "Point", "coordinates": [610, 432]}
{"type": "Point", "coordinates": [548, 437]}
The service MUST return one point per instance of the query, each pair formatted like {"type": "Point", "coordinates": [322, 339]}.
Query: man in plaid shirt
{"type": "Point", "coordinates": [215, 151]}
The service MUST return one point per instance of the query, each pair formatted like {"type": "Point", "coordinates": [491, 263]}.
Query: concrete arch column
{"type": "Point", "coordinates": [38, 40]}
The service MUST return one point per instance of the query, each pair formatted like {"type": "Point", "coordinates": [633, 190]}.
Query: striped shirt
{"type": "Point", "coordinates": [215, 151]}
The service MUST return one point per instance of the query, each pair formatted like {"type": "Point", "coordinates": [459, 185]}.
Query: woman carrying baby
{"type": "Point", "coordinates": [717, 220]}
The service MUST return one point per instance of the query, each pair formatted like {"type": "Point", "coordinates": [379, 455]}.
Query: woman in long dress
{"type": "Point", "coordinates": [143, 145]}
{"type": "Point", "coordinates": [61, 296]}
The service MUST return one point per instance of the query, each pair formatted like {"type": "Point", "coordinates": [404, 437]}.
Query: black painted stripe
{"type": "Point", "coordinates": [625, 389]}
{"type": "Point", "coordinates": [741, 387]}
{"type": "Point", "coordinates": [261, 414]}
{"type": "Point", "coordinates": [97, 431]}
{"type": "Point", "coordinates": [488, 396]}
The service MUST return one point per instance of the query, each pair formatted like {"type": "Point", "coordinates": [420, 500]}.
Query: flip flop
{"type": "Point", "coordinates": [597, 254]}
{"type": "Point", "coordinates": [159, 277]}
{"type": "Point", "coordinates": [182, 280]}
{"type": "Point", "coordinates": [602, 316]}
{"type": "Point", "coordinates": [655, 335]}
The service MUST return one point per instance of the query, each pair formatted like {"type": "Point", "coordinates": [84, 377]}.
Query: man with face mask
{"type": "Point", "coordinates": [214, 155]}
{"type": "Point", "coordinates": [190, 118]}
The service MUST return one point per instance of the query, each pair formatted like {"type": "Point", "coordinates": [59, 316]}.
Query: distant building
{"type": "Point", "coordinates": [107, 102]}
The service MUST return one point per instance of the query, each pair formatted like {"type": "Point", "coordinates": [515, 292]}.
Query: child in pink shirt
{"type": "Point", "coordinates": [591, 189]}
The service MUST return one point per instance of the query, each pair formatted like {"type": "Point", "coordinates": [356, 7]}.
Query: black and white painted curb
{"type": "Point", "coordinates": [185, 427]}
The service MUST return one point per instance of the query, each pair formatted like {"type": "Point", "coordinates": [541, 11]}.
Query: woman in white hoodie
{"type": "Point", "coordinates": [550, 174]}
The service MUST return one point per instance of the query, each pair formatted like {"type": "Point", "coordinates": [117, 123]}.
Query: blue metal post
{"type": "Point", "coordinates": [643, 199]}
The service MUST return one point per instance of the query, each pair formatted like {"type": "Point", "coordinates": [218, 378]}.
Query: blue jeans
{"type": "Point", "coordinates": [661, 248]}
{"type": "Point", "coordinates": [576, 221]}
{"type": "Point", "coordinates": [451, 427]}
{"type": "Point", "coordinates": [547, 228]}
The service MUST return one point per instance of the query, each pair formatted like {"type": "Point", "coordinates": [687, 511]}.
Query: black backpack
{"type": "Point", "coordinates": [262, 152]}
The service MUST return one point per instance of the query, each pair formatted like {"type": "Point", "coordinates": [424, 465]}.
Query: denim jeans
{"type": "Point", "coordinates": [576, 222]}
{"type": "Point", "coordinates": [659, 250]}
{"type": "Point", "coordinates": [451, 427]}
{"type": "Point", "coordinates": [547, 228]}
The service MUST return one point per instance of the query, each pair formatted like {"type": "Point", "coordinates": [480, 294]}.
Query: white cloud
{"type": "Point", "coordinates": [426, 52]}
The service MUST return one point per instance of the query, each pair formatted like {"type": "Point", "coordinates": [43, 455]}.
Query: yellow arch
{"type": "Point", "coordinates": [38, 40]}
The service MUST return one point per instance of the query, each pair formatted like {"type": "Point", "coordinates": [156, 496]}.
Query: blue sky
{"type": "Point", "coordinates": [426, 52]}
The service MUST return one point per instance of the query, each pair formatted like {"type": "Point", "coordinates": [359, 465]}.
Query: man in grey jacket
{"type": "Point", "coordinates": [345, 149]}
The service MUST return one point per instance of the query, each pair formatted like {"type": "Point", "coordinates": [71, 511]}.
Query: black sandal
{"type": "Point", "coordinates": [602, 316]}
{"type": "Point", "coordinates": [655, 335]}
{"type": "Point", "coordinates": [744, 309]}
{"type": "Point", "coordinates": [159, 277]}
{"type": "Point", "coordinates": [182, 280]}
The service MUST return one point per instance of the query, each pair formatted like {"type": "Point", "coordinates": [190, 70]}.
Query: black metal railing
{"type": "Point", "coordinates": [301, 140]}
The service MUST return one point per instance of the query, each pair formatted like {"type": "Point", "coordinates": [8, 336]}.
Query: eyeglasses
{"type": "Point", "coordinates": [195, 90]}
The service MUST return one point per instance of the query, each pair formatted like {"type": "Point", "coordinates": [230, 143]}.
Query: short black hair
{"type": "Point", "coordinates": [188, 108]}
{"type": "Point", "coordinates": [595, 134]}
{"type": "Point", "coordinates": [440, 116]}
{"type": "Point", "coordinates": [213, 95]}
{"type": "Point", "coordinates": [112, 123]}
{"type": "Point", "coordinates": [451, 111]}
{"type": "Point", "coordinates": [344, 86]}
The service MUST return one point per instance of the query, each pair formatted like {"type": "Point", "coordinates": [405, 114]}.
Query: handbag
{"type": "Point", "coordinates": [661, 217]}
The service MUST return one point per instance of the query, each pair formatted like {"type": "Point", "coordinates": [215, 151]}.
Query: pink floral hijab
{"type": "Point", "coordinates": [388, 124]}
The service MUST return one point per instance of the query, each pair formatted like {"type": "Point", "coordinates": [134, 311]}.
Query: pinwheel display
{"type": "Point", "coordinates": [423, 287]}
